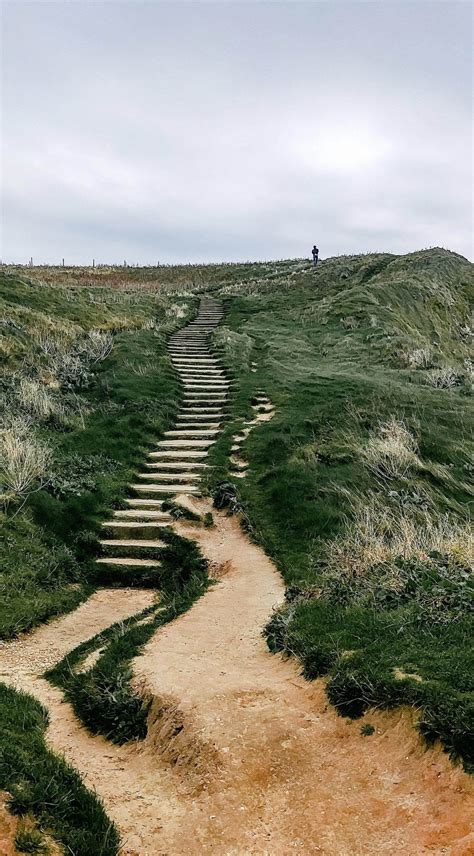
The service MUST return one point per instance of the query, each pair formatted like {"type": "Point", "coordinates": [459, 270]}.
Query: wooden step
{"type": "Point", "coordinates": [135, 524]}
{"type": "Point", "coordinates": [132, 542]}
{"type": "Point", "coordinates": [196, 432]}
{"type": "Point", "coordinates": [129, 562]}
{"type": "Point", "coordinates": [200, 361]}
{"type": "Point", "coordinates": [133, 513]}
{"type": "Point", "coordinates": [190, 466]}
{"type": "Point", "coordinates": [171, 477]}
{"type": "Point", "coordinates": [152, 503]}
{"type": "Point", "coordinates": [177, 454]}
{"type": "Point", "coordinates": [166, 488]}
{"type": "Point", "coordinates": [184, 444]}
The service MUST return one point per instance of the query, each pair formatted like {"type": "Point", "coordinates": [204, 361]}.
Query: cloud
{"type": "Point", "coordinates": [204, 131]}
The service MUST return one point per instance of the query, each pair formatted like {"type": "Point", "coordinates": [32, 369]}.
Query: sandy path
{"type": "Point", "coordinates": [270, 767]}
{"type": "Point", "coordinates": [265, 767]}
{"type": "Point", "coordinates": [33, 653]}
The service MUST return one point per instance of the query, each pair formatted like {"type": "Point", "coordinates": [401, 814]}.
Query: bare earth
{"type": "Point", "coordinates": [244, 756]}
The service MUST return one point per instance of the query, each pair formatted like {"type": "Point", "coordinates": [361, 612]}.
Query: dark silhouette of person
{"type": "Point", "coordinates": [315, 253]}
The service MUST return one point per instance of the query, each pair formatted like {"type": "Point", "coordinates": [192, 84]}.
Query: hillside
{"type": "Point", "coordinates": [343, 442]}
{"type": "Point", "coordinates": [361, 485]}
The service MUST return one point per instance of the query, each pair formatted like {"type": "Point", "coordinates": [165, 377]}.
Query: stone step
{"type": "Point", "coordinates": [198, 368]}
{"type": "Point", "coordinates": [166, 488]}
{"type": "Point", "coordinates": [204, 398]}
{"type": "Point", "coordinates": [201, 413]}
{"type": "Point", "coordinates": [194, 382]}
{"type": "Point", "coordinates": [189, 349]}
{"type": "Point", "coordinates": [216, 395]}
{"type": "Point", "coordinates": [190, 387]}
{"type": "Point", "coordinates": [182, 351]}
{"type": "Point", "coordinates": [129, 562]}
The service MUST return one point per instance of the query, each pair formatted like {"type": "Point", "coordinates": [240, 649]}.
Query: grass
{"type": "Point", "coordinates": [44, 786]}
{"type": "Point", "coordinates": [360, 486]}
{"type": "Point", "coordinates": [103, 696]}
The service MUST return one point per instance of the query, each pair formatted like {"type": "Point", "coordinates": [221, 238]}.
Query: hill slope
{"type": "Point", "coordinates": [360, 486]}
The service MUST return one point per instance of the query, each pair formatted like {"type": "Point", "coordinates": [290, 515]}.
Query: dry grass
{"type": "Point", "coordinates": [35, 400]}
{"type": "Point", "coordinates": [24, 462]}
{"type": "Point", "coordinates": [378, 534]}
{"type": "Point", "coordinates": [391, 452]}
{"type": "Point", "coordinates": [418, 358]}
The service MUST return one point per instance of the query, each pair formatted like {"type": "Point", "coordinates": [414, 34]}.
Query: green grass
{"type": "Point", "coordinates": [370, 538]}
{"type": "Point", "coordinates": [43, 785]}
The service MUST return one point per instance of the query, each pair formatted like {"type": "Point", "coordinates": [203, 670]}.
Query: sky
{"type": "Point", "coordinates": [226, 131]}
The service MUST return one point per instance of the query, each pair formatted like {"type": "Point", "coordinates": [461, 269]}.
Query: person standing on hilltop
{"type": "Point", "coordinates": [315, 253]}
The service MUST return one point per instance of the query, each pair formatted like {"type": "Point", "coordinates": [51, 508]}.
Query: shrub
{"type": "Point", "coordinates": [226, 495]}
{"type": "Point", "coordinates": [445, 378]}
{"type": "Point", "coordinates": [419, 358]}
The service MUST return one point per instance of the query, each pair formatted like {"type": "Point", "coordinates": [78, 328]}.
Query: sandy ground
{"type": "Point", "coordinates": [243, 756]}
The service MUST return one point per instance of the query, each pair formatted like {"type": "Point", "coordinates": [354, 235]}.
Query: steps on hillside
{"type": "Point", "coordinates": [177, 461]}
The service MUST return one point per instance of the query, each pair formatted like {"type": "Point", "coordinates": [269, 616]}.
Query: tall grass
{"type": "Point", "coordinates": [24, 463]}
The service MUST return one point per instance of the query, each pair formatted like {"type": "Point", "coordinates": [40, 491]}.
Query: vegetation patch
{"type": "Point", "coordinates": [43, 785]}
{"type": "Point", "coordinates": [103, 696]}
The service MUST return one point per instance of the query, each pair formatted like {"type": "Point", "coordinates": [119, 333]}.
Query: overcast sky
{"type": "Point", "coordinates": [202, 131]}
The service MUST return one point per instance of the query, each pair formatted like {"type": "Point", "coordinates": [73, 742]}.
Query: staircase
{"type": "Point", "coordinates": [177, 462]}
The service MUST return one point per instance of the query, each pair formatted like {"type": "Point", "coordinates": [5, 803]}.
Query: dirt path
{"type": "Point", "coordinates": [271, 767]}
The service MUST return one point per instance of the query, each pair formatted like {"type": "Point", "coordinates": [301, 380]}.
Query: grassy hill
{"type": "Point", "coordinates": [361, 485]}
